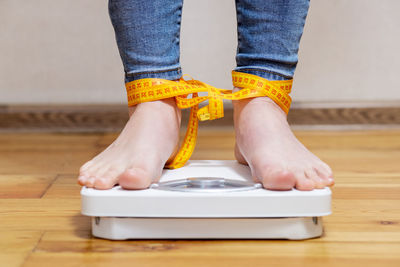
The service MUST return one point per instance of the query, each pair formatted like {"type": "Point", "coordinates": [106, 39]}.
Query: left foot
{"type": "Point", "coordinates": [276, 158]}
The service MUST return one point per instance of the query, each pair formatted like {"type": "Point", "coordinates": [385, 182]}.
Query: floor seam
{"type": "Point", "coordinates": [33, 249]}
{"type": "Point", "coordinates": [49, 185]}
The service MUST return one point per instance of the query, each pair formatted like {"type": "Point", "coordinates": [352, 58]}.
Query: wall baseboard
{"type": "Point", "coordinates": [108, 118]}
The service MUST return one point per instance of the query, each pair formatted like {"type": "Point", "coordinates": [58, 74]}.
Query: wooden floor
{"type": "Point", "coordinates": [41, 225]}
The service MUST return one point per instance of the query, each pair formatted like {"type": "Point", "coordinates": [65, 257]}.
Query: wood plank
{"type": "Point", "coordinates": [15, 246]}
{"type": "Point", "coordinates": [44, 162]}
{"type": "Point", "coordinates": [48, 154]}
{"type": "Point", "coordinates": [15, 185]}
{"type": "Point", "coordinates": [365, 179]}
{"type": "Point", "coordinates": [154, 258]}
{"type": "Point", "coordinates": [77, 241]}
{"type": "Point", "coordinates": [21, 142]}
{"type": "Point", "coordinates": [42, 214]}
{"type": "Point", "coordinates": [322, 250]}
{"type": "Point", "coordinates": [65, 186]}
{"type": "Point", "coordinates": [366, 192]}
{"type": "Point", "coordinates": [362, 140]}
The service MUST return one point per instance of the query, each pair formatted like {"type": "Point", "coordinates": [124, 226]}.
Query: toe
{"type": "Point", "coordinates": [303, 183]}
{"type": "Point", "coordinates": [94, 173]}
{"type": "Point", "coordinates": [278, 180]}
{"type": "Point", "coordinates": [87, 178]}
{"type": "Point", "coordinates": [105, 183]}
{"type": "Point", "coordinates": [83, 176]}
{"type": "Point", "coordinates": [324, 175]}
{"type": "Point", "coordinates": [135, 178]}
{"type": "Point", "coordinates": [82, 179]}
{"type": "Point", "coordinates": [90, 182]}
{"type": "Point", "coordinates": [312, 175]}
{"type": "Point", "coordinates": [108, 178]}
{"type": "Point", "coordinates": [327, 169]}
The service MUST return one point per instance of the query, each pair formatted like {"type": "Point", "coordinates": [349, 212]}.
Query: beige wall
{"type": "Point", "coordinates": [64, 51]}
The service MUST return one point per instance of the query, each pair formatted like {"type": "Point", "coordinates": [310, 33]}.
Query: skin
{"type": "Point", "coordinates": [264, 141]}
{"type": "Point", "coordinates": [136, 158]}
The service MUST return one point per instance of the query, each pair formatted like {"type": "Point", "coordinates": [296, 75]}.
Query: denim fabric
{"type": "Point", "coordinates": [148, 33]}
{"type": "Point", "coordinates": [269, 33]}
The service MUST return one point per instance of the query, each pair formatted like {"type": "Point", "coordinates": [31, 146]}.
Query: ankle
{"type": "Point", "coordinates": [264, 108]}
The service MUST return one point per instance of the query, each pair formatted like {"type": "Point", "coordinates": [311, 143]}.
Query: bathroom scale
{"type": "Point", "coordinates": [206, 199]}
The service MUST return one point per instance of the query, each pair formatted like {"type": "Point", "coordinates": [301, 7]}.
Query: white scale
{"type": "Point", "coordinates": [206, 199]}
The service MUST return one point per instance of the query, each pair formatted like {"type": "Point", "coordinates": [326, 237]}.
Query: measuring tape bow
{"type": "Point", "coordinates": [152, 89]}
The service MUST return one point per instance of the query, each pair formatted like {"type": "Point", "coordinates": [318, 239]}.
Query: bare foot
{"type": "Point", "coordinates": [136, 158]}
{"type": "Point", "coordinates": [276, 158]}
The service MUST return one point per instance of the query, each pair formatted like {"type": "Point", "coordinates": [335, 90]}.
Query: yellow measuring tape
{"type": "Point", "coordinates": [151, 89]}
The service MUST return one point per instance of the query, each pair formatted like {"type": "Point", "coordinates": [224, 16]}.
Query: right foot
{"type": "Point", "coordinates": [137, 157]}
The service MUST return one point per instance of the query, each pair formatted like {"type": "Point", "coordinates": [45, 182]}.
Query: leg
{"type": "Point", "coordinates": [147, 34]}
{"type": "Point", "coordinates": [269, 33]}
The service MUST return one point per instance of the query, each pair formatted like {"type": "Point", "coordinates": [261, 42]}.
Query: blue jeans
{"type": "Point", "coordinates": [148, 35]}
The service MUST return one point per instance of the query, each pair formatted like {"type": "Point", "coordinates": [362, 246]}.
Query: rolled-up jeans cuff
{"type": "Point", "coordinates": [168, 74]}
{"type": "Point", "coordinates": [264, 73]}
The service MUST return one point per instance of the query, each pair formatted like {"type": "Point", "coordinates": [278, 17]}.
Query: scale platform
{"type": "Point", "coordinates": [206, 199]}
